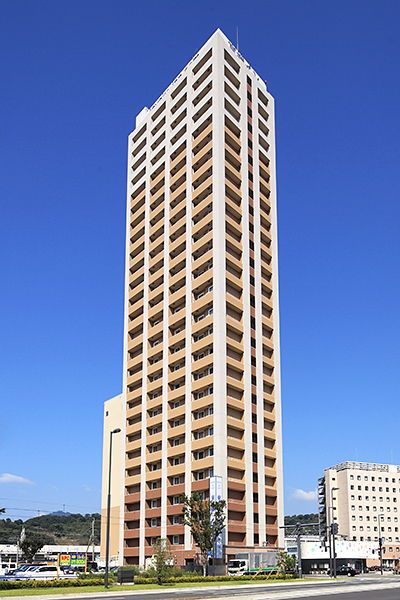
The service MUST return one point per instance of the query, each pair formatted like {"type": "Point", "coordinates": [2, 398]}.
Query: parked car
{"type": "Point", "coordinates": [344, 570]}
{"type": "Point", "coordinates": [19, 573]}
{"type": "Point", "coordinates": [46, 572]}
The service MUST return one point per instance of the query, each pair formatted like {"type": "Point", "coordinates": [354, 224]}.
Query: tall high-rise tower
{"type": "Point", "coordinates": [202, 360]}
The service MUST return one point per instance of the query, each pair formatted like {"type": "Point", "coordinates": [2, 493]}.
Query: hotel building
{"type": "Point", "coordinates": [364, 500]}
{"type": "Point", "coordinates": [201, 395]}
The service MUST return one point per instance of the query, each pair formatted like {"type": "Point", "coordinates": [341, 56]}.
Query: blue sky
{"type": "Point", "coordinates": [74, 76]}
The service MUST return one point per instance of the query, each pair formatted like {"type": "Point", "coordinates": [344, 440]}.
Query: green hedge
{"type": "Point", "coordinates": [15, 585]}
{"type": "Point", "coordinates": [199, 578]}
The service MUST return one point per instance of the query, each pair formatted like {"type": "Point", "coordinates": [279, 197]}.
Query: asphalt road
{"type": "Point", "coordinates": [369, 587]}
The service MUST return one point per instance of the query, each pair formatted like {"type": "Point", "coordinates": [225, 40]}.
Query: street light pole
{"type": "Point", "coordinates": [333, 528]}
{"type": "Point", "coordinates": [117, 430]}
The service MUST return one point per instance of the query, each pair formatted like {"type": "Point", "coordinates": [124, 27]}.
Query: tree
{"type": "Point", "coordinates": [162, 559]}
{"type": "Point", "coordinates": [287, 562]}
{"type": "Point", "coordinates": [30, 546]}
{"type": "Point", "coordinates": [206, 519]}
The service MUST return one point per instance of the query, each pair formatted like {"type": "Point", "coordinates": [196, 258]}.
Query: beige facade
{"type": "Point", "coordinates": [367, 492]}
{"type": "Point", "coordinates": [202, 359]}
{"type": "Point", "coordinates": [112, 419]}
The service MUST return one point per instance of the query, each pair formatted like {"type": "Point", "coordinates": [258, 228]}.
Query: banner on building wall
{"type": "Point", "coordinates": [344, 549]}
{"type": "Point", "coordinates": [215, 495]}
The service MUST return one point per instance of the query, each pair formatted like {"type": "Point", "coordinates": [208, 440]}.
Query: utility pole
{"type": "Point", "coordinates": [335, 530]}
{"type": "Point", "coordinates": [299, 550]}
{"type": "Point", "coordinates": [381, 540]}
{"type": "Point", "coordinates": [93, 540]}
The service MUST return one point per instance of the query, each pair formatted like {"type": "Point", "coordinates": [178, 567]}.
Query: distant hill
{"type": "Point", "coordinates": [304, 520]}
{"type": "Point", "coordinates": [56, 528]}
{"type": "Point", "coordinates": [307, 518]}
{"type": "Point", "coordinates": [60, 513]}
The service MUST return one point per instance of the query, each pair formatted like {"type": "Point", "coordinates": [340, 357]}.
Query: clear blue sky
{"type": "Point", "coordinates": [74, 74]}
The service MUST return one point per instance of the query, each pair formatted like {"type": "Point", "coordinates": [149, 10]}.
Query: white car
{"type": "Point", "coordinates": [46, 572]}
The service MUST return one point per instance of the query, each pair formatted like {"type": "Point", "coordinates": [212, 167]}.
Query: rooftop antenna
{"type": "Point", "coordinates": [237, 39]}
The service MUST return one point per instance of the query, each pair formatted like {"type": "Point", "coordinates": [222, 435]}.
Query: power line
{"type": "Point", "coordinates": [50, 503]}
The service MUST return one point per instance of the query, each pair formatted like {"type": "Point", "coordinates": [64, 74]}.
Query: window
{"type": "Point", "coordinates": [154, 467]}
{"type": "Point", "coordinates": [200, 475]}
{"type": "Point", "coordinates": [175, 540]}
{"type": "Point", "coordinates": [200, 414]}
{"type": "Point", "coordinates": [177, 423]}
{"type": "Point", "coordinates": [154, 431]}
{"type": "Point", "coordinates": [177, 404]}
{"type": "Point", "coordinates": [200, 454]}
{"type": "Point", "coordinates": [177, 441]}
{"type": "Point", "coordinates": [176, 500]}
{"type": "Point", "coordinates": [177, 461]}
{"type": "Point", "coordinates": [176, 480]}
{"type": "Point", "coordinates": [154, 485]}
{"type": "Point", "coordinates": [154, 503]}
{"type": "Point", "coordinates": [211, 432]}
{"type": "Point", "coordinates": [154, 449]}
{"type": "Point", "coordinates": [175, 520]}
{"type": "Point", "coordinates": [154, 522]}
{"type": "Point", "coordinates": [211, 452]}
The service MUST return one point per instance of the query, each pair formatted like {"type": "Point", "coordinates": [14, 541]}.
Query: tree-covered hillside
{"type": "Point", "coordinates": [52, 529]}
{"type": "Point", "coordinates": [303, 519]}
